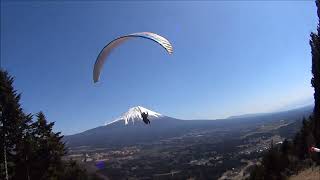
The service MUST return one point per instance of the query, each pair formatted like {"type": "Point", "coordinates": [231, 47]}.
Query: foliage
{"type": "Point", "coordinates": [315, 81]}
{"type": "Point", "coordinates": [30, 149]}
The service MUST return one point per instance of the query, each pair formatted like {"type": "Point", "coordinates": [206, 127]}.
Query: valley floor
{"type": "Point", "coordinates": [226, 152]}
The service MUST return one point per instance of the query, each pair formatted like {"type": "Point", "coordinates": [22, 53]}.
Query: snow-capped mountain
{"type": "Point", "coordinates": [134, 114]}
{"type": "Point", "coordinates": [117, 133]}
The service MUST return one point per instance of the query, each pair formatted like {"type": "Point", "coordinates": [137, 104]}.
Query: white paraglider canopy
{"type": "Point", "coordinates": [102, 57]}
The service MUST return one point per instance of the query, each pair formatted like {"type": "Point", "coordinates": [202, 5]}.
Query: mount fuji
{"type": "Point", "coordinates": [134, 114]}
{"type": "Point", "coordinates": [129, 129]}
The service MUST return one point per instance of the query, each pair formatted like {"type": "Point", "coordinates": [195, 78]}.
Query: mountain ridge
{"type": "Point", "coordinates": [120, 134]}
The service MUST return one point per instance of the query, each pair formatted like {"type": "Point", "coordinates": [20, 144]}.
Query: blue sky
{"type": "Point", "coordinates": [230, 58]}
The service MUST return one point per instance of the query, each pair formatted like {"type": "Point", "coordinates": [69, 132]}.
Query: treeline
{"type": "Point", "coordinates": [287, 159]}
{"type": "Point", "coordinates": [29, 148]}
{"type": "Point", "coordinates": [292, 156]}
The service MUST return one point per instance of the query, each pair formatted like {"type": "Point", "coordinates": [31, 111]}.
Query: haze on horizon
{"type": "Point", "coordinates": [230, 58]}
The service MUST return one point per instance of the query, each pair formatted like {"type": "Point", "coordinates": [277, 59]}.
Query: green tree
{"type": "Point", "coordinates": [304, 139]}
{"type": "Point", "coordinates": [30, 150]}
{"type": "Point", "coordinates": [24, 154]}
{"type": "Point", "coordinates": [315, 81]}
{"type": "Point", "coordinates": [74, 171]}
{"type": "Point", "coordinates": [47, 149]}
{"type": "Point", "coordinates": [13, 126]}
{"type": "Point", "coordinates": [257, 173]}
{"type": "Point", "coordinates": [286, 147]}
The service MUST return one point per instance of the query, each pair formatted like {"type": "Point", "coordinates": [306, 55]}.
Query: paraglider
{"type": "Point", "coordinates": [102, 57]}
{"type": "Point", "coordinates": [145, 117]}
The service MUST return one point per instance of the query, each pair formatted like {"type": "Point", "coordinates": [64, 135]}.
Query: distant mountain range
{"type": "Point", "coordinates": [129, 128]}
{"type": "Point", "coordinates": [304, 108]}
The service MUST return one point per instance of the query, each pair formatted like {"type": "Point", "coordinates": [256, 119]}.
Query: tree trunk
{"type": "Point", "coordinates": [5, 158]}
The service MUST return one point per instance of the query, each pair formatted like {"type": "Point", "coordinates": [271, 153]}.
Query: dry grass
{"type": "Point", "coordinates": [308, 174]}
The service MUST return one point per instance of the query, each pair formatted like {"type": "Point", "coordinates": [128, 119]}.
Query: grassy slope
{"type": "Point", "coordinates": [307, 174]}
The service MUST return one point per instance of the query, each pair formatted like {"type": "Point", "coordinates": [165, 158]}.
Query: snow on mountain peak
{"type": "Point", "coordinates": [134, 114]}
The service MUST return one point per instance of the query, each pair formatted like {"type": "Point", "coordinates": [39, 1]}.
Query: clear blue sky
{"type": "Point", "coordinates": [230, 58]}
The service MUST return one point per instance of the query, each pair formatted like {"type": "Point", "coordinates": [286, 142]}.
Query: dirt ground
{"type": "Point", "coordinates": [308, 174]}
